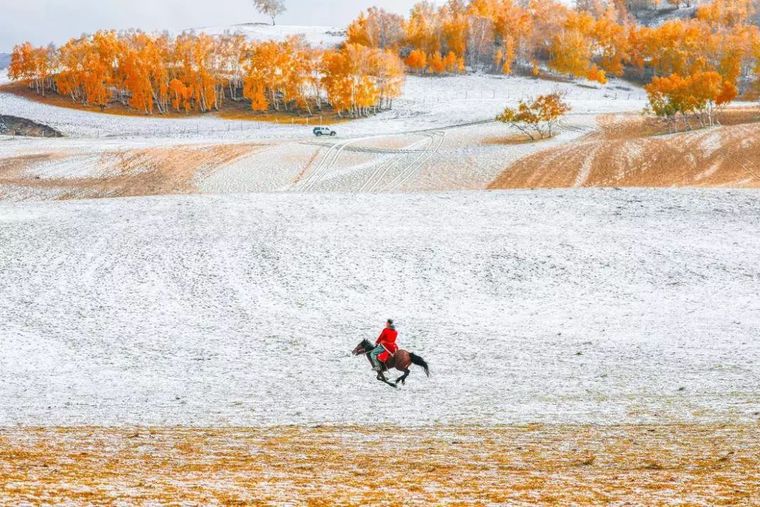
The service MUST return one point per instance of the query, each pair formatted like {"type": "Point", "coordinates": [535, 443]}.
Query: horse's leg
{"type": "Point", "coordinates": [382, 378]}
{"type": "Point", "coordinates": [403, 361]}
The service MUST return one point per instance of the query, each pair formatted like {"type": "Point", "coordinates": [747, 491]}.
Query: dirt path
{"type": "Point", "coordinates": [529, 465]}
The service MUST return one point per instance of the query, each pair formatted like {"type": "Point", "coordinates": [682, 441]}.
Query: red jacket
{"type": "Point", "coordinates": [388, 339]}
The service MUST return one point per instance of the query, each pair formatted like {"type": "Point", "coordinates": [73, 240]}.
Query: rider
{"type": "Point", "coordinates": [385, 346]}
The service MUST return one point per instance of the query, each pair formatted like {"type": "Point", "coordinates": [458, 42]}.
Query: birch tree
{"type": "Point", "coordinates": [271, 8]}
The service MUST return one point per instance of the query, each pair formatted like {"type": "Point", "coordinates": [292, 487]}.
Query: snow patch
{"type": "Point", "coordinates": [711, 143]}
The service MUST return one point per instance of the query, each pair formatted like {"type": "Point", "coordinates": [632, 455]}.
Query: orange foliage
{"type": "Point", "coordinates": [377, 28]}
{"type": "Point", "coordinates": [536, 118]}
{"type": "Point", "coordinates": [726, 12]}
{"type": "Point", "coordinates": [417, 60]}
{"type": "Point", "coordinates": [596, 74]}
{"type": "Point", "coordinates": [360, 80]}
{"type": "Point", "coordinates": [32, 64]}
{"type": "Point", "coordinates": [437, 64]}
{"type": "Point", "coordinates": [197, 73]}
{"type": "Point", "coordinates": [692, 97]}
{"type": "Point", "coordinates": [593, 41]}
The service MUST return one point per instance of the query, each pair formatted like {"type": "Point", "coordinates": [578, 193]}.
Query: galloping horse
{"type": "Point", "coordinates": [401, 360]}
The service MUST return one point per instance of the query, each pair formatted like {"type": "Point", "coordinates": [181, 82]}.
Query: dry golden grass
{"type": "Point", "coordinates": [283, 118]}
{"type": "Point", "coordinates": [510, 140]}
{"type": "Point", "coordinates": [138, 172]}
{"type": "Point", "coordinates": [631, 151]}
{"type": "Point", "coordinates": [21, 89]}
{"type": "Point", "coordinates": [456, 465]}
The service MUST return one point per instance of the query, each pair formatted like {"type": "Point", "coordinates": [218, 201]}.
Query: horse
{"type": "Point", "coordinates": [401, 360]}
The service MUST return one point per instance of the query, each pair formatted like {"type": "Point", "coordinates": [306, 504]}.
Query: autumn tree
{"type": "Point", "coordinates": [675, 47]}
{"type": "Point", "coordinates": [271, 8]}
{"type": "Point", "coordinates": [33, 64]}
{"type": "Point", "coordinates": [88, 68]}
{"type": "Point", "coordinates": [417, 60]}
{"type": "Point", "coordinates": [726, 12]}
{"type": "Point", "coordinates": [513, 26]}
{"type": "Point", "coordinates": [422, 29]}
{"type": "Point", "coordinates": [437, 64]}
{"type": "Point", "coordinates": [143, 70]}
{"type": "Point", "coordinates": [278, 73]}
{"type": "Point", "coordinates": [361, 80]}
{"type": "Point", "coordinates": [455, 29]}
{"type": "Point", "coordinates": [536, 118]}
{"type": "Point", "coordinates": [482, 36]}
{"type": "Point", "coordinates": [571, 53]}
{"type": "Point", "coordinates": [596, 8]}
{"type": "Point", "coordinates": [376, 28]}
{"type": "Point", "coordinates": [691, 98]}
{"type": "Point", "coordinates": [611, 42]}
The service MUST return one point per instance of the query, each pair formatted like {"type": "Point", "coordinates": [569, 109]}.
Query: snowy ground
{"type": "Point", "coordinates": [566, 306]}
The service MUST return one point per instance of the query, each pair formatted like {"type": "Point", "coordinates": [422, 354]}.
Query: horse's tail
{"type": "Point", "coordinates": [419, 362]}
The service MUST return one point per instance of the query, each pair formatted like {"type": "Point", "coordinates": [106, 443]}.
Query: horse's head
{"type": "Point", "coordinates": [363, 348]}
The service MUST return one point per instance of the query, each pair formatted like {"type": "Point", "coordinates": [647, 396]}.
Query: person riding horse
{"type": "Point", "coordinates": [384, 355]}
{"type": "Point", "coordinates": [385, 346]}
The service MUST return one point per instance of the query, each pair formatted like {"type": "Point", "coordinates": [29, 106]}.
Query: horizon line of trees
{"type": "Point", "coordinates": [594, 40]}
{"type": "Point", "coordinates": [199, 72]}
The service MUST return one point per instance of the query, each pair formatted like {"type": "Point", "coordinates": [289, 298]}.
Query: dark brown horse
{"type": "Point", "coordinates": [401, 360]}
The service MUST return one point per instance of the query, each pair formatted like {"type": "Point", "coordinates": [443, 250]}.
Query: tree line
{"type": "Point", "coordinates": [595, 39]}
{"type": "Point", "coordinates": [692, 65]}
{"type": "Point", "coordinates": [199, 73]}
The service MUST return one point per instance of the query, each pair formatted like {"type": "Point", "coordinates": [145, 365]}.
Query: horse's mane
{"type": "Point", "coordinates": [367, 345]}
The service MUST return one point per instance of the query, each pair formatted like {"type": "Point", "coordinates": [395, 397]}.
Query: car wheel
{"type": "Point", "coordinates": [332, 134]}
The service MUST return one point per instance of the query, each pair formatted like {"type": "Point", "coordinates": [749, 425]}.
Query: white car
{"type": "Point", "coordinates": [324, 131]}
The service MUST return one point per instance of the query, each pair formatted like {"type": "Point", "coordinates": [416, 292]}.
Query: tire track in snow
{"type": "Point", "coordinates": [325, 165]}
{"type": "Point", "coordinates": [437, 139]}
{"type": "Point", "coordinates": [372, 183]}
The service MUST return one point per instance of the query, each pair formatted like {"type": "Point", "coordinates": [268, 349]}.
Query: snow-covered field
{"type": "Point", "coordinates": [556, 306]}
